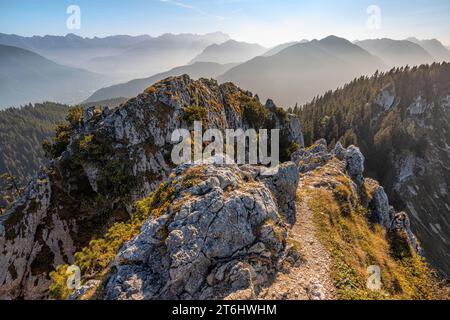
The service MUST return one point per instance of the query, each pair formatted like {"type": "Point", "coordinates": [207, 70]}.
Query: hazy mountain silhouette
{"type": "Point", "coordinates": [434, 47]}
{"type": "Point", "coordinates": [70, 41]}
{"type": "Point", "coordinates": [302, 71]}
{"type": "Point", "coordinates": [73, 50]}
{"type": "Point", "coordinates": [28, 77]}
{"type": "Point", "coordinates": [156, 55]}
{"type": "Point", "coordinates": [134, 87]}
{"type": "Point", "coordinates": [397, 53]}
{"type": "Point", "coordinates": [281, 47]}
{"type": "Point", "coordinates": [230, 52]}
{"type": "Point", "coordinates": [124, 57]}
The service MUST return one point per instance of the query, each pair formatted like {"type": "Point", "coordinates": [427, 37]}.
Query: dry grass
{"type": "Point", "coordinates": [355, 244]}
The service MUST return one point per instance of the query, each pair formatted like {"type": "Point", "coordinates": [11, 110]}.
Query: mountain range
{"type": "Point", "coordinates": [298, 71]}
{"type": "Point", "coordinates": [123, 57]}
{"type": "Point", "coordinates": [397, 52]}
{"type": "Point", "coordinates": [363, 174]}
{"type": "Point", "coordinates": [281, 47]}
{"type": "Point", "coordinates": [73, 50]}
{"type": "Point", "coordinates": [156, 55]}
{"type": "Point", "coordinates": [28, 77]}
{"type": "Point", "coordinates": [437, 50]}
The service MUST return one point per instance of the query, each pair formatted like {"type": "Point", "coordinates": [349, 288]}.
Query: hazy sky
{"type": "Point", "coordinates": [267, 22]}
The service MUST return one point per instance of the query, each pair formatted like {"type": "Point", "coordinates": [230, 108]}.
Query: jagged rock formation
{"type": "Point", "coordinates": [104, 160]}
{"type": "Point", "coordinates": [226, 237]}
{"type": "Point", "coordinates": [221, 236]}
{"type": "Point", "coordinates": [200, 231]}
{"type": "Point", "coordinates": [400, 120]}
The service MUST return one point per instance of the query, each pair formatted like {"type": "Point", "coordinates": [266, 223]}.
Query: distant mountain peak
{"type": "Point", "coordinates": [230, 51]}
{"type": "Point", "coordinates": [412, 39]}
{"type": "Point", "coordinates": [397, 53]}
{"type": "Point", "coordinates": [299, 72]}
{"type": "Point", "coordinates": [334, 40]}
{"type": "Point", "coordinates": [73, 36]}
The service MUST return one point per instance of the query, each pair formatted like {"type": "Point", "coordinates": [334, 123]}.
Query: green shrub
{"type": "Point", "coordinates": [58, 288]}
{"type": "Point", "coordinates": [75, 116]}
{"type": "Point", "coordinates": [255, 114]}
{"type": "Point", "coordinates": [195, 113]}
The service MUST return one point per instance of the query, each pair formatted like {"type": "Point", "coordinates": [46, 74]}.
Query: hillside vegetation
{"type": "Point", "coordinates": [342, 217]}
{"type": "Point", "coordinates": [400, 120]}
{"type": "Point", "coordinates": [22, 131]}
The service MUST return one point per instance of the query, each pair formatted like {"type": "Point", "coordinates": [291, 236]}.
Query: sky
{"type": "Point", "coordinates": [267, 22]}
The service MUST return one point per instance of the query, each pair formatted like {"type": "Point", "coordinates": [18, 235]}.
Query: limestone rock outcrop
{"type": "Point", "coordinates": [223, 236]}
{"type": "Point", "coordinates": [104, 160]}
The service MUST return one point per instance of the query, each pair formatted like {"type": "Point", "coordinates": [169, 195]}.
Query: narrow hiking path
{"type": "Point", "coordinates": [310, 278]}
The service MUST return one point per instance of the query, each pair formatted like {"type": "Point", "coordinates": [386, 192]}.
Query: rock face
{"type": "Point", "coordinates": [102, 162]}
{"type": "Point", "coordinates": [223, 236]}
{"type": "Point", "coordinates": [339, 151]}
{"type": "Point", "coordinates": [226, 236]}
{"type": "Point", "coordinates": [381, 211]}
{"type": "Point", "coordinates": [25, 251]}
{"type": "Point", "coordinates": [313, 157]}
{"type": "Point", "coordinates": [355, 163]}
{"type": "Point", "coordinates": [401, 225]}
{"type": "Point", "coordinates": [420, 183]}
{"type": "Point", "coordinates": [403, 129]}
{"type": "Point", "coordinates": [284, 187]}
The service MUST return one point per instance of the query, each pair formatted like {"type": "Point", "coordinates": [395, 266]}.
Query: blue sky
{"type": "Point", "coordinates": [267, 22]}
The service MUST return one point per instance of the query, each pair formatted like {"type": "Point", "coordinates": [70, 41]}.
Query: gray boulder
{"type": "Point", "coordinates": [339, 151]}
{"type": "Point", "coordinates": [222, 236]}
{"type": "Point", "coordinates": [284, 187]}
{"type": "Point", "coordinates": [355, 164]}
{"type": "Point", "coordinates": [382, 212]}
{"type": "Point", "coordinates": [90, 285]}
{"type": "Point", "coordinates": [313, 157]}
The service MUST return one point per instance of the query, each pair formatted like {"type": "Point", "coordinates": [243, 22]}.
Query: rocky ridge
{"type": "Point", "coordinates": [228, 236]}
{"type": "Point", "coordinates": [219, 237]}
{"type": "Point", "coordinates": [210, 231]}
{"type": "Point", "coordinates": [102, 161]}
{"type": "Point", "coordinates": [400, 120]}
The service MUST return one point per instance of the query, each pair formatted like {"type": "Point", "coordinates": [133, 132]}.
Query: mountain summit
{"type": "Point", "coordinates": [397, 53]}
{"type": "Point", "coordinates": [229, 52]}
{"type": "Point", "coordinates": [102, 162]}
{"type": "Point", "coordinates": [439, 52]}
{"type": "Point", "coordinates": [300, 72]}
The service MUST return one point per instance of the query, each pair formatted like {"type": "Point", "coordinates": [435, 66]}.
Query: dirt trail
{"type": "Point", "coordinates": [310, 278]}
